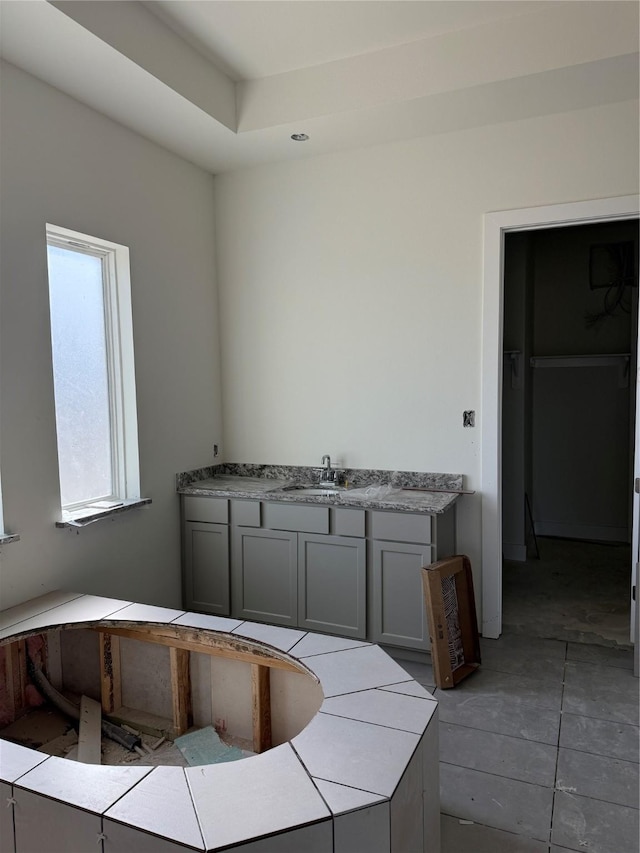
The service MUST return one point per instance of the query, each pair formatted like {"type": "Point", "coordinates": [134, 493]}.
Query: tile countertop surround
{"type": "Point", "coordinates": [361, 777]}
{"type": "Point", "coordinates": [266, 482]}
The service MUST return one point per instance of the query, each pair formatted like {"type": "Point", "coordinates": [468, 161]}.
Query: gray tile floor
{"type": "Point", "coordinates": [539, 750]}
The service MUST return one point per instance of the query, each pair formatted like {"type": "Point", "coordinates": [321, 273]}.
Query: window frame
{"type": "Point", "coordinates": [118, 324]}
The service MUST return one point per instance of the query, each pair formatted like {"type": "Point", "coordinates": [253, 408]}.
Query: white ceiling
{"type": "Point", "coordinates": [225, 84]}
{"type": "Point", "coordinates": [250, 39]}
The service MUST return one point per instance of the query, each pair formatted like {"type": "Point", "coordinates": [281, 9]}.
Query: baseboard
{"type": "Point", "coordinates": [582, 531]}
{"type": "Point", "coordinates": [517, 553]}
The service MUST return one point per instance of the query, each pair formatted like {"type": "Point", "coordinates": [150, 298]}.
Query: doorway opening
{"type": "Point", "coordinates": [568, 411]}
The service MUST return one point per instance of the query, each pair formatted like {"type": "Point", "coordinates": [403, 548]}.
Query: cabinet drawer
{"type": "Point", "coordinates": [245, 513]}
{"type": "Point", "coordinates": [215, 510]}
{"type": "Point", "coordinates": [401, 527]}
{"type": "Point", "coordinates": [347, 522]}
{"type": "Point", "coordinates": [306, 519]}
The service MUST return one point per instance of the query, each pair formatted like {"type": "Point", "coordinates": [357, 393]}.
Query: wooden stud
{"type": "Point", "coordinates": [261, 705]}
{"type": "Point", "coordinates": [110, 679]}
{"type": "Point", "coordinates": [16, 677]}
{"type": "Point", "coordinates": [180, 690]}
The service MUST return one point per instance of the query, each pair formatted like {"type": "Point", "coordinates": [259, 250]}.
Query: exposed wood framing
{"type": "Point", "coordinates": [15, 673]}
{"type": "Point", "coordinates": [180, 690]}
{"type": "Point", "coordinates": [110, 680]}
{"type": "Point", "coordinates": [261, 705]}
{"type": "Point", "coordinates": [206, 642]}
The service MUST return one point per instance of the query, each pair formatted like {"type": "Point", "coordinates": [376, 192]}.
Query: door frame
{"type": "Point", "coordinates": [496, 225]}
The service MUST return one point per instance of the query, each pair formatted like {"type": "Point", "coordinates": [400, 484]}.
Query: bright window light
{"type": "Point", "coordinates": [93, 371]}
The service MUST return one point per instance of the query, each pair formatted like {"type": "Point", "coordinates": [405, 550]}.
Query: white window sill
{"type": "Point", "coordinates": [88, 515]}
{"type": "Point", "coordinates": [5, 538]}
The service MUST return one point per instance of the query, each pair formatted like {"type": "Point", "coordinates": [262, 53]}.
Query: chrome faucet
{"type": "Point", "coordinates": [327, 474]}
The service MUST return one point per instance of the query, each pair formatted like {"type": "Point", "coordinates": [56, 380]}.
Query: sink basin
{"type": "Point", "coordinates": [313, 491]}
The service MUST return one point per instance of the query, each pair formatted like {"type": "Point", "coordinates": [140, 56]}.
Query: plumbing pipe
{"type": "Point", "coordinates": [110, 730]}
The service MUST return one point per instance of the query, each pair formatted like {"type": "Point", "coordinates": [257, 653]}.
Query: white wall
{"type": "Point", "coordinates": [66, 164]}
{"type": "Point", "coordinates": [350, 288]}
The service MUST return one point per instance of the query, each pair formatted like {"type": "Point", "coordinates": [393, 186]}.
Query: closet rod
{"type": "Point", "coordinates": [610, 360]}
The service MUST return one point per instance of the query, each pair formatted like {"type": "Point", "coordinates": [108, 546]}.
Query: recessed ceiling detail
{"type": "Point", "coordinates": [202, 83]}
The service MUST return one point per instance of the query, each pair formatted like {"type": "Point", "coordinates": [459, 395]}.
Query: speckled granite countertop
{"type": "Point", "coordinates": [367, 488]}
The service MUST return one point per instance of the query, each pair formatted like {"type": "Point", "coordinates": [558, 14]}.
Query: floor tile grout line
{"type": "Point", "coordinates": [503, 734]}
{"type": "Point", "coordinates": [481, 695]}
{"type": "Point", "coordinates": [598, 800]}
{"type": "Point", "coordinates": [598, 755]}
{"type": "Point", "coordinates": [494, 828]}
{"type": "Point", "coordinates": [498, 776]}
{"type": "Point", "coordinates": [555, 774]}
{"type": "Point", "coordinates": [489, 732]}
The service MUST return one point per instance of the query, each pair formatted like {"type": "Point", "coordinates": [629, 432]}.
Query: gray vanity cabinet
{"type": "Point", "coordinates": [287, 568]}
{"type": "Point", "coordinates": [402, 545]}
{"type": "Point", "coordinates": [206, 554]}
{"type": "Point", "coordinates": [264, 581]}
{"type": "Point", "coordinates": [332, 584]}
{"type": "Point", "coordinates": [337, 570]}
{"type": "Point", "coordinates": [398, 613]}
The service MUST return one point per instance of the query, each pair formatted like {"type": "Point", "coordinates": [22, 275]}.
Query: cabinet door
{"type": "Point", "coordinates": [264, 575]}
{"type": "Point", "coordinates": [332, 584]}
{"type": "Point", "coordinates": [398, 611]}
{"type": "Point", "coordinates": [206, 567]}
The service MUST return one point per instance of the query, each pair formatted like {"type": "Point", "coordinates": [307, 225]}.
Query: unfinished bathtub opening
{"type": "Point", "coordinates": [192, 696]}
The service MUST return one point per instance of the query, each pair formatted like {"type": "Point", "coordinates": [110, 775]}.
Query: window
{"type": "Point", "coordinates": [93, 371]}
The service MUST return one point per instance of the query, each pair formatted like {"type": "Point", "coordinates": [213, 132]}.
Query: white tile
{"type": "Point", "coordinates": [372, 758]}
{"type": "Point", "coordinates": [242, 800]}
{"type": "Point", "coordinates": [364, 831]}
{"type": "Point", "coordinates": [86, 786]}
{"type": "Point", "coordinates": [272, 635]}
{"type": "Point", "coordinates": [321, 644]}
{"type": "Point", "coordinates": [410, 688]}
{"type": "Point", "coordinates": [317, 838]}
{"type": "Point", "coordinates": [341, 798]}
{"type": "Point", "coordinates": [210, 623]}
{"type": "Point", "coordinates": [125, 839]}
{"type": "Point", "coordinates": [31, 608]}
{"type": "Point", "coordinates": [16, 760]}
{"type": "Point", "coordinates": [47, 825]}
{"type": "Point", "coordinates": [161, 803]}
{"type": "Point", "coordinates": [86, 608]}
{"type": "Point", "coordinates": [407, 824]}
{"type": "Point", "coordinates": [147, 613]}
{"type": "Point", "coordinates": [7, 844]}
{"type": "Point", "coordinates": [430, 749]}
{"type": "Point", "coordinates": [355, 669]}
{"type": "Point", "coordinates": [383, 708]}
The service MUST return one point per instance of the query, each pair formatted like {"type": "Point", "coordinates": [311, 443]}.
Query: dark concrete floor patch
{"type": "Point", "coordinates": [577, 591]}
